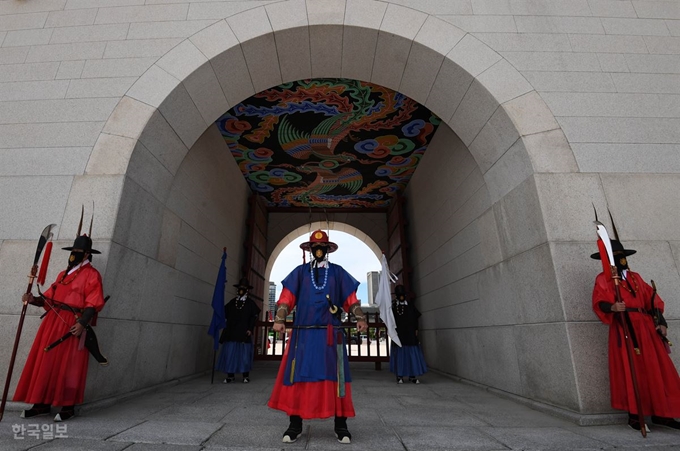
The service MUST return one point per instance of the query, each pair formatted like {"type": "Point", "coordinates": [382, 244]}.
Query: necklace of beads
{"type": "Point", "coordinates": [401, 308]}
{"type": "Point", "coordinates": [63, 280]}
{"type": "Point", "coordinates": [625, 285]}
{"type": "Point", "coordinates": [325, 277]}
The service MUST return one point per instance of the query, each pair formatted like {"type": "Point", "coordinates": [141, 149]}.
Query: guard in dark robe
{"type": "Point", "coordinates": [407, 359]}
{"type": "Point", "coordinates": [236, 355]}
{"type": "Point", "coordinates": [657, 378]}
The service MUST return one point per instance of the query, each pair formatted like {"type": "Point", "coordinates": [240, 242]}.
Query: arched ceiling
{"type": "Point", "coordinates": [332, 143]}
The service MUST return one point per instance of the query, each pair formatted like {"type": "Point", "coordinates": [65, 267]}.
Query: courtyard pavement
{"type": "Point", "coordinates": [439, 414]}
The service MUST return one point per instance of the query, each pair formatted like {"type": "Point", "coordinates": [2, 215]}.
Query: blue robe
{"type": "Point", "coordinates": [315, 359]}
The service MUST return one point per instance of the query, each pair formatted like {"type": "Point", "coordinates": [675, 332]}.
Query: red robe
{"type": "Point", "coordinates": [57, 377]}
{"type": "Point", "coordinates": [658, 381]}
{"type": "Point", "coordinates": [310, 399]}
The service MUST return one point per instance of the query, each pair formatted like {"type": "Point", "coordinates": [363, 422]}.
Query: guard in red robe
{"type": "Point", "coordinates": [658, 381]}
{"type": "Point", "coordinates": [314, 378]}
{"type": "Point", "coordinates": [57, 377]}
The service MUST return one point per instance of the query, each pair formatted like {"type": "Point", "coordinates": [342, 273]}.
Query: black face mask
{"type": "Point", "coordinates": [621, 263]}
{"type": "Point", "coordinates": [319, 253]}
{"type": "Point", "coordinates": [75, 259]}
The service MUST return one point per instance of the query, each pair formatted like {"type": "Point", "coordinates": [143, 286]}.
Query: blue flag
{"type": "Point", "coordinates": [218, 321]}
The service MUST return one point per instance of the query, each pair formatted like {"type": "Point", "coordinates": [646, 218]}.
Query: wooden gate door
{"type": "Point", "coordinates": [398, 248]}
{"type": "Point", "coordinates": [255, 263]}
{"type": "Point", "coordinates": [256, 249]}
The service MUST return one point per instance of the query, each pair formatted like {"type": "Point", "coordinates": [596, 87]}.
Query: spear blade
{"type": "Point", "coordinates": [44, 238]}
{"type": "Point", "coordinates": [604, 236]}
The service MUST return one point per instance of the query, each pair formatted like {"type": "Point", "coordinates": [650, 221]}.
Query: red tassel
{"type": "Point", "coordinates": [329, 335]}
{"type": "Point", "coordinates": [45, 263]}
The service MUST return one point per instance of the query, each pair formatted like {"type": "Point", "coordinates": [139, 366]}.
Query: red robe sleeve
{"type": "Point", "coordinates": [603, 292]}
{"type": "Point", "coordinates": [350, 301]}
{"type": "Point", "coordinates": [94, 293]}
{"type": "Point", "coordinates": [288, 298]}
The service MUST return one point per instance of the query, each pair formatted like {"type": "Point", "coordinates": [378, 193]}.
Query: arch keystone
{"type": "Point", "coordinates": [287, 15]}
{"type": "Point", "coordinates": [397, 31]}
{"type": "Point", "coordinates": [326, 12]}
{"type": "Point", "coordinates": [289, 22]}
{"type": "Point", "coordinates": [435, 39]}
{"type": "Point", "coordinates": [360, 37]}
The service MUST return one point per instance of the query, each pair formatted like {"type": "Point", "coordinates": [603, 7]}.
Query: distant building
{"type": "Point", "coordinates": [372, 281]}
{"type": "Point", "coordinates": [272, 299]}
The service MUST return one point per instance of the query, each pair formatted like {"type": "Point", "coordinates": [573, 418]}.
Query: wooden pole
{"type": "Point", "coordinates": [8, 379]}
{"type": "Point", "coordinates": [631, 355]}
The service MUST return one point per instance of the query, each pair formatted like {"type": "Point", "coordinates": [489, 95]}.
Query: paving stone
{"type": "Point", "coordinates": [174, 433]}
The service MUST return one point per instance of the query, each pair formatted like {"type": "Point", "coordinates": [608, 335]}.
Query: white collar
{"type": "Point", "coordinates": [242, 298]}
{"type": "Point", "coordinates": [319, 265]}
{"type": "Point", "coordinates": [75, 268]}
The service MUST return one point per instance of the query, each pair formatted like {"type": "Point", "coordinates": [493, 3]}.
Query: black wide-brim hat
{"type": "Point", "coordinates": [399, 290]}
{"type": "Point", "coordinates": [82, 244]}
{"type": "Point", "coordinates": [617, 249]}
{"type": "Point", "coordinates": [244, 283]}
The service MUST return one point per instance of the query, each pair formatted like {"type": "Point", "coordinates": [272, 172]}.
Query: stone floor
{"type": "Point", "coordinates": [439, 414]}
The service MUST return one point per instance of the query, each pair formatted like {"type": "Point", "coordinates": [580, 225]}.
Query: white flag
{"type": "Point", "coordinates": [384, 300]}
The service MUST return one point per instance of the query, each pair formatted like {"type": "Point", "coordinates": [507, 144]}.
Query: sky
{"type": "Point", "coordinates": [352, 254]}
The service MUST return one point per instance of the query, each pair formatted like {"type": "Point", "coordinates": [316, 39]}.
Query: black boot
{"type": "Point", "coordinates": [294, 429]}
{"type": "Point", "coordinates": [341, 431]}
{"type": "Point", "coordinates": [65, 413]}
{"type": "Point", "coordinates": [634, 422]}
{"type": "Point", "coordinates": [664, 421]}
{"type": "Point", "coordinates": [246, 377]}
{"type": "Point", "coordinates": [35, 410]}
{"type": "Point", "coordinates": [230, 378]}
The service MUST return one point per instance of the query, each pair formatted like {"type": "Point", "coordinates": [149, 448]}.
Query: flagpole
{"type": "Point", "coordinates": [218, 319]}
{"type": "Point", "coordinates": [212, 378]}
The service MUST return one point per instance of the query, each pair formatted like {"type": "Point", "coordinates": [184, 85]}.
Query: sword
{"type": "Point", "coordinates": [45, 236]}
{"type": "Point", "coordinates": [340, 364]}
{"type": "Point", "coordinates": [335, 311]}
{"type": "Point", "coordinates": [655, 315]}
{"type": "Point", "coordinates": [91, 342]}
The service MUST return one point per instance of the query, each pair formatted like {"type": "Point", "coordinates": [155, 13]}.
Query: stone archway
{"type": "Point", "coordinates": [161, 131]}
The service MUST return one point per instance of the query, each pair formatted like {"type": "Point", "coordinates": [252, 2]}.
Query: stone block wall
{"type": "Point", "coordinates": [551, 106]}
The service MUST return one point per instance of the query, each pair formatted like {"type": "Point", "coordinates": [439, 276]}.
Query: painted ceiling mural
{"type": "Point", "coordinates": [328, 142]}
